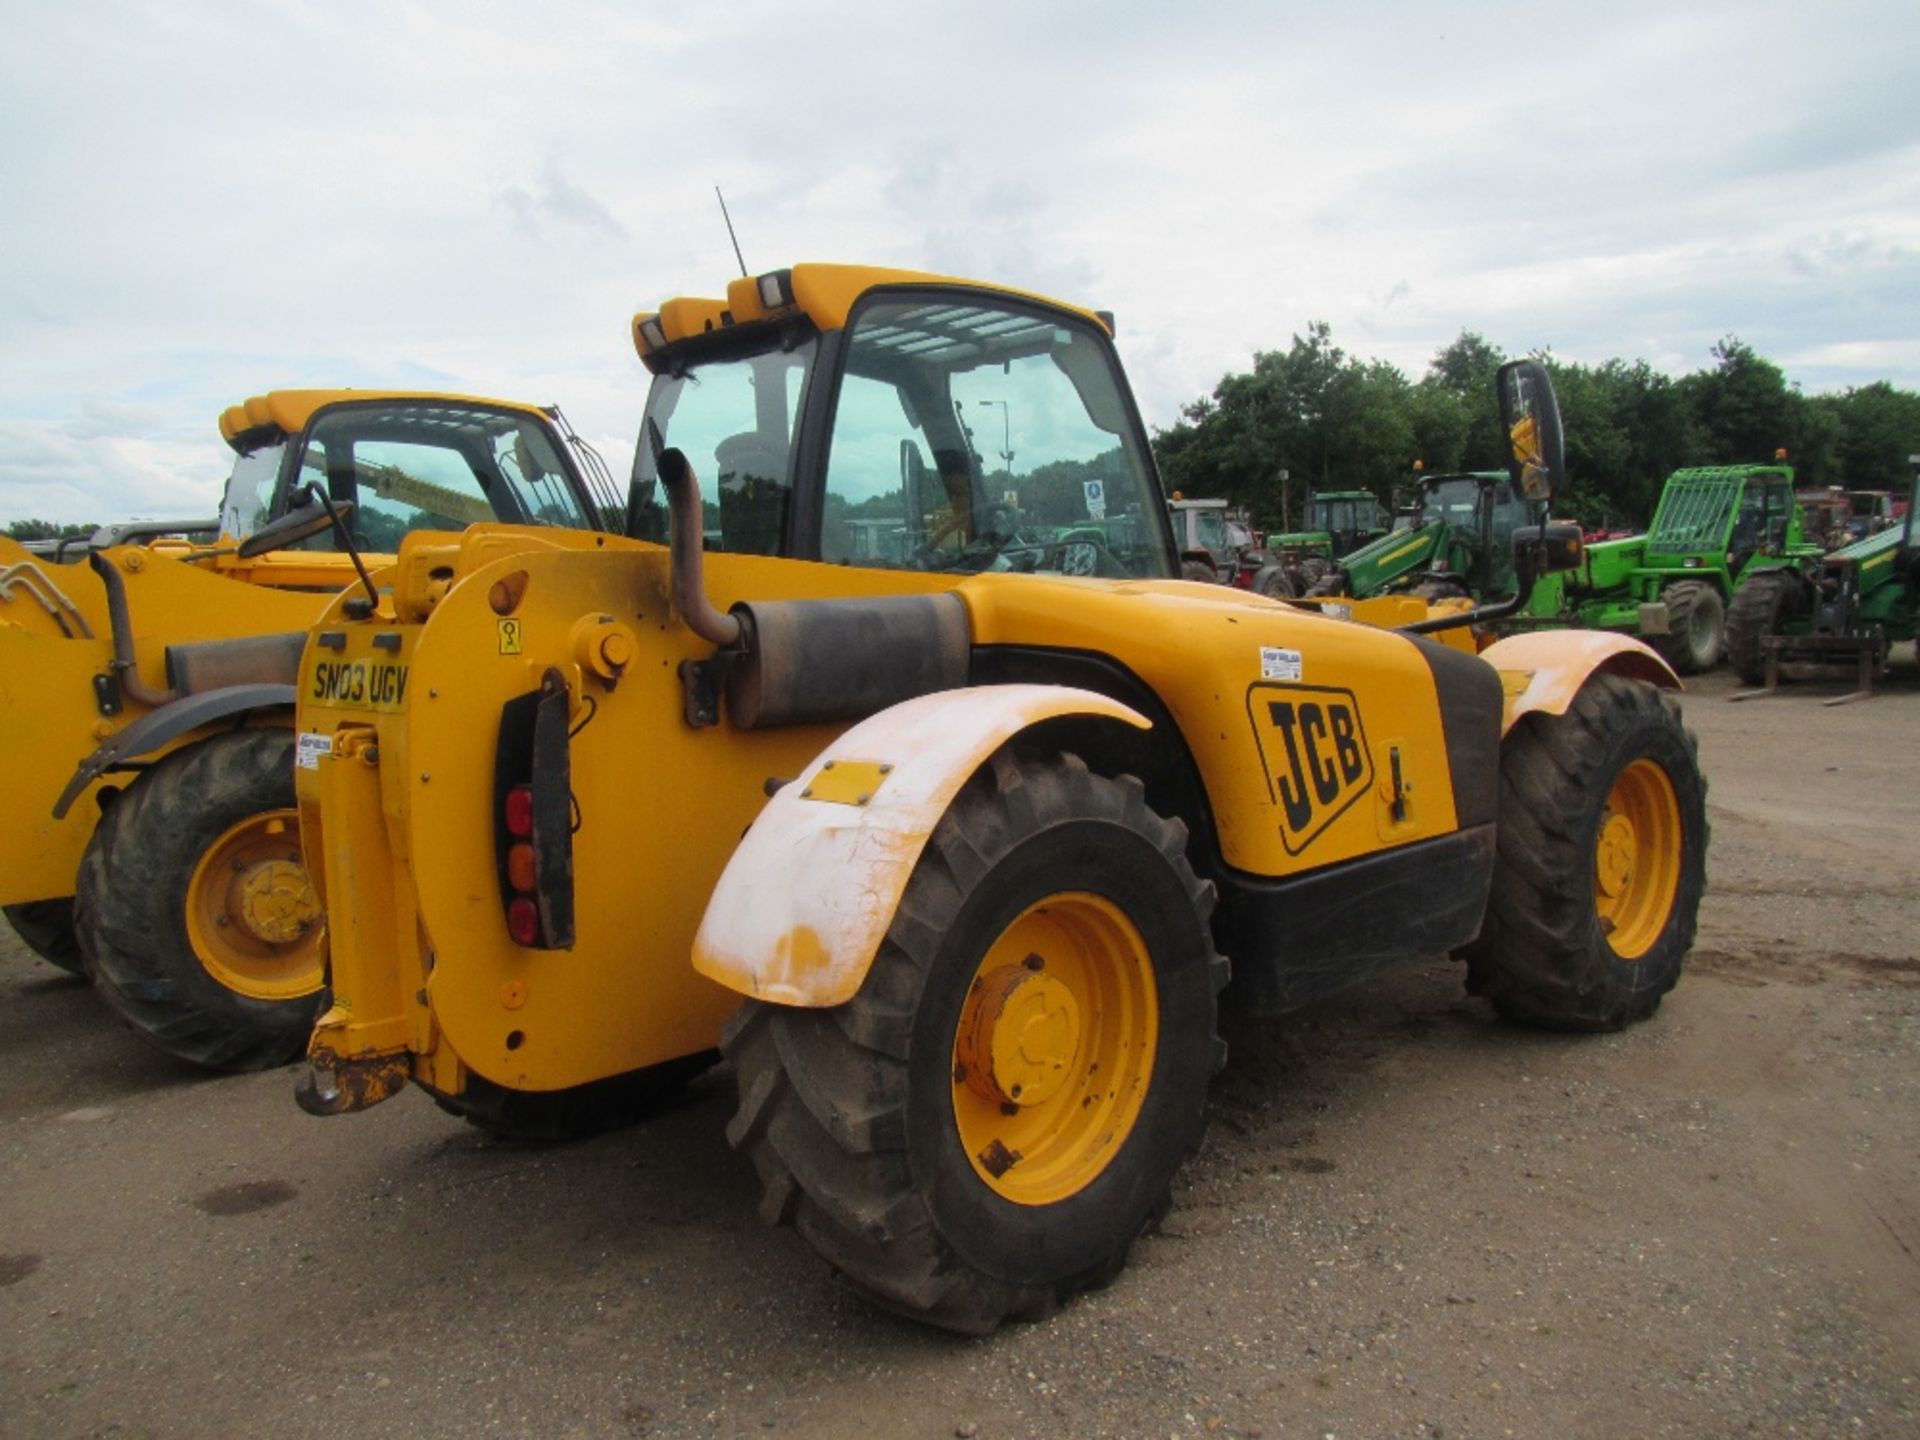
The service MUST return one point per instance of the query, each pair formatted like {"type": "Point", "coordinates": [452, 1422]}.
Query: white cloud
{"type": "Point", "coordinates": [205, 201]}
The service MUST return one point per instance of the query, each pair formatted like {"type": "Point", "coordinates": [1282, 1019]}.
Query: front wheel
{"type": "Point", "coordinates": [1760, 607]}
{"type": "Point", "coordinates": [1198, 571]}
{"type": "Point", "coordinates": [194, 910]}
{"type": "Point", "coordinates": [985, 1127]}
{"type": "Point", "coordinates": [1273, 582]}
{"type": "Point", "coordinates": [1600, 864]}
{"type": "Point", "coordinates": [1696, 627]}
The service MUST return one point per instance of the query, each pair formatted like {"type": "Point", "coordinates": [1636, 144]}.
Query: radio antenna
{"type": "Point", "coordinates": [730, 235]}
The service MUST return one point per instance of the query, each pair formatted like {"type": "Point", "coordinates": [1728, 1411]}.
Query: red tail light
{"type": "Point", "coordinates": [523, 920]}
{"type": "Point", "coordinates": [519, 809]}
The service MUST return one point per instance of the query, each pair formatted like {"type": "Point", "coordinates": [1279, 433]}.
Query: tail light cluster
{"type": "Point", "coordinates": [523, 876]}
{"type": "Point", "coordinates": [534, 817]}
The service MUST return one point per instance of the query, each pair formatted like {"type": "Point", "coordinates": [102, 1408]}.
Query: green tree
{"type": "Point", "coordinates": [46, 530]}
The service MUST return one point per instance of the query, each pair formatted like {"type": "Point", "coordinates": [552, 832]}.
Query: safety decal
{"type": "Point", "coordinates": [1315, 748]}
{"type": "Point", "coordinates": [510, 636]}
{"type": "Point", "coordinates": [310, 748]}
{"type": "Point", "coordinates": [1278, 664]}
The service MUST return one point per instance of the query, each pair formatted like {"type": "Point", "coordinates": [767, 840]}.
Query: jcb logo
{"type": "Point", "coordinates": [1316, 753]}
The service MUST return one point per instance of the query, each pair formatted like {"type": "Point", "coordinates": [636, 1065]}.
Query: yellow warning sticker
{"type": "Point", "coordinates": [510, 637]}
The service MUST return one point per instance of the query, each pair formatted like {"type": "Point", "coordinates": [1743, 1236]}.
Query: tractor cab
{"type": "Point", "coordinates": [1347, 518]}
{"type": "Point", "coordinates": [1460, 540]}
{"type": "Point", "coordinates": [1735, 511]}
{"type": "Point", "coordinates": [403, 462]}
{"type": "Point", "coordinates": [884, 398]}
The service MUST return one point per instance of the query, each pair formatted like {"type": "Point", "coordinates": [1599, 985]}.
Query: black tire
{"type": "Point", "coordinates": [849, 1115]}
{"type": "Point", "coordinates": [1544, 956]}
{"type": "Point", "coordinates": [1198, 570]}
{"type": "Point", "coordinates": [1759, 606]}
{"type": "Point", "coordinates": [1696, 627]}
{"type": "Point", "coordinates": [47, 928]}
{"type": "Point", "coordinates": [131, 907]}
{"type": "Point", "coordinates": [1273, 582]}
{"type": "Point", "coordinates": [577, 1113]}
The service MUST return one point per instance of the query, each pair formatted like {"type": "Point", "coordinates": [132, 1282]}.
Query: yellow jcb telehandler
{"type": "Point", "coordinates": [146, 697]}
{"type": "Point", "coordinates": [922, 787]}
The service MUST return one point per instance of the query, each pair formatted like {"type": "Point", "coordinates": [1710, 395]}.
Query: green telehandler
{"type": "Point", "coordinates": [1460, 544]}
{"type": "Point", "coordinates": [1849, 606]}
{"type": "Point", "coordinates": [1672, 586]}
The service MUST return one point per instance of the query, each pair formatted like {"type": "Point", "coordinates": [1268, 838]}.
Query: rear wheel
{"type": "Point", "coordinates": [1696, 627]}
{"type": "Point", "coordinates": [1197, 570]}
{"type": "Point", "coordinates": [1601, 861]}
{"type": "Point", "coordinates": [1759, 606]}
{"type": "Point", "coordinates": [985, 1127]}
{"type": "Point", "coordinates": [1272, 582]}
{"type": "Point", "coordinates": [47, 928]}
{"type": "Point", "coordinates": [194, 910]}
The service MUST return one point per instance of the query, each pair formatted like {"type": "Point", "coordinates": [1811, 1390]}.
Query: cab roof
{"type": "Point", "coordinates": [823, 294]}
{"type": "Point", "coordinates": [263, 419]}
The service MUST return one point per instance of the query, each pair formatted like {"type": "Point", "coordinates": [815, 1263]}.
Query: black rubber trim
{"type": "Point", "coordinates": [157, 727]}
{"type": "Point", "coordinates": [1297, 939]}
{"type": "Point", "coordinates": [1471, 701]}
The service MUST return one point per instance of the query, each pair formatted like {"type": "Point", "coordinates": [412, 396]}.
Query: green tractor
{"type": "Point", "coordinates": [1459, 545]}
{"type": "Point", "coordinates": [1672, 585]}
{"type": "Point", "coordinates": [1337, 523]}
{"type": "Point", "coordinates": [1851, 605]}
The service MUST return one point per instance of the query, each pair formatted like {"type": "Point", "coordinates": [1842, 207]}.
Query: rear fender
{"type": "Point", "coordinates": [1542, 671]}
{"type": "Point", "coordinates": [807, 897]}
{"type": "Point", "coordinates": [159, 728]}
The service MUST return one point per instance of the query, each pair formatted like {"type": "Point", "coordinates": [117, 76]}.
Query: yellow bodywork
{"type": "Point", "coordinates": [288, 411]}
{"type": "Point", "coordinates": [55, 637]}
{"type": "Point", "coordinates": [47, 709]}
{"type": "Point", "coordinates": [399, 724]}
{"type": "Point", "coordinates": [825, 294]}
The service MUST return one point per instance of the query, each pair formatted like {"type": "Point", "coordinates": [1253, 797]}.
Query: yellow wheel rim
{"type": "Point", "coordinates": [1636, 862]}
{"type": "Point", "coordinates": [252, 916]}
{"type": "Point", "coordinates": [1054, 1052]}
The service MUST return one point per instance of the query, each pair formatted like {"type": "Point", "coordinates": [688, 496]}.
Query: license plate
{"type": "Point", "coordinates": [357, 684]}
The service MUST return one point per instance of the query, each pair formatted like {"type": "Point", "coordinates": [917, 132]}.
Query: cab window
{"type": "Point", "coordinates": [971, 434]}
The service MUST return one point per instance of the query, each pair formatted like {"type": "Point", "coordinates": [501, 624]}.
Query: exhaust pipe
{"type": "Point", "coordinates": [803, 662]}
{"type": "Point", "coordinates": [687, 544]}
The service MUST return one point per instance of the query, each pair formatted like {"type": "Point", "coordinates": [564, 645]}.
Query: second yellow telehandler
{"type": "Point", "coordinates": [923, 788]}
{"type": "Point", "coordinates": [146, 695]}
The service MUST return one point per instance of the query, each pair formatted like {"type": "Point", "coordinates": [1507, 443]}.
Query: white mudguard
{"type": "Point", "coordinates": [804, 903]}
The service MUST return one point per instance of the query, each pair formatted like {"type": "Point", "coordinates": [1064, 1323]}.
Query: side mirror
{"type": "Point", "coordinates": [293, 527]}
{"type": "Point", "coordinates": [1554, 546]}
{"type": "Point", "coordinates": [913, 486]}
{"type": "Point", "coordinates": [1531, 419]}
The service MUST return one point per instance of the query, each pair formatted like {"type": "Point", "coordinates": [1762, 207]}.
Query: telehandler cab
{"type": "Point", "coordinates": [950, 855]}
{"type": "Point", "coordinates": [146, 702]}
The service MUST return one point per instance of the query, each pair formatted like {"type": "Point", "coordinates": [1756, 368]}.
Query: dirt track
{"type": "Point", "coordinates": [1411, 1220]}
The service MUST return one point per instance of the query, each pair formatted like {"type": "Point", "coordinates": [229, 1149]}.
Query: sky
{"type": "Point", "coordinates": [203, 201]}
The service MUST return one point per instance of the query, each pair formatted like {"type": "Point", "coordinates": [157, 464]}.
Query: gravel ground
{"type": "Point", "coordinates": [1410, 1220]}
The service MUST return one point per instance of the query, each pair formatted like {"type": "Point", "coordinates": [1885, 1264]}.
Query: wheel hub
{"type": "Point", "coordinates": [253, 918]}
{"type": "Point", "coordinates": [274, 899]}
{"type": "Point", "coordinates": [1020, 1033]}
{"type": "Point", "coordinates": [1614, 858]}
